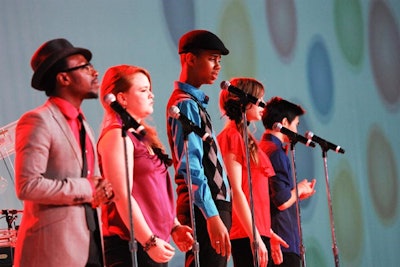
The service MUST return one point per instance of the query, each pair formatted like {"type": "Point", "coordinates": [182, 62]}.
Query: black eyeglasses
{"type": "Point", "coordinates": [88, 66]}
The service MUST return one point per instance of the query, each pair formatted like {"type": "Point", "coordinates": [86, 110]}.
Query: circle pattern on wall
{"type": "Point", "coordinates": [282, 25]}
{"type": "Point", "coordinates": [320, 80]}
{"type": "Point", "coordinates": [236, 32]}
{"type": "Point", "coordinates": [349, 30]}
{"type": "Point", "coordinates": [347, 211]}
{"type": "Point", "coordinates": [382, 176]}
{"type": "Point", "coordinates": [384, 51]}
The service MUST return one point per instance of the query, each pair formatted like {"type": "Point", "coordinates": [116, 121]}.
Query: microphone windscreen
{"type": "Point", "coordinates": [225, 85]}
{"type": "Point", "coordinates": [309, 135]}
{"type": "Point", "coordinates": [174, 112]}
{"type": "Point", "coordinates": [277, 126]}
{"type": "Point", "coordinates": [109, 98]}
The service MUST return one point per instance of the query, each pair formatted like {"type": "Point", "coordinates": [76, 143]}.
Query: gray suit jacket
{"type": "Point", "coordinates": [48, 164]}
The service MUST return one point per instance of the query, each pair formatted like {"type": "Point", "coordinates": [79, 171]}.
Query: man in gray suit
{"type": "Point", "coordinates": [57, 174]}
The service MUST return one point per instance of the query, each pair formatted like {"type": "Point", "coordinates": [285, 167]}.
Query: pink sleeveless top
{"type": "Point", "coordinates": [152, 189]}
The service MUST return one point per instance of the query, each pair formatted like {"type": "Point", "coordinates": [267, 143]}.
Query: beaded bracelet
{"type": "Point", "coordinates": [152, 242]}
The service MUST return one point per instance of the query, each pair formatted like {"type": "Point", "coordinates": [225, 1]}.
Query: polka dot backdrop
{"type": "Point", "coordinates": [339, 59]}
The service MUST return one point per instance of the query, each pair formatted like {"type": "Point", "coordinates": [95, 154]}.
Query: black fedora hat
{"type": "Point", "coordinates": [48, 54]}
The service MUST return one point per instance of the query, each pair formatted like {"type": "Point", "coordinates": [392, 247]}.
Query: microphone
{"type": "Point", "coordinates": [128, 121]}
{"type": "Point", "coordinates": [175, 113]}
{"type": "Point", "coordinates": [292, 135]}
{"type": "Point", "coordinates": [225, 85]}
{"type": "Point", "coordinates": [325, 144]}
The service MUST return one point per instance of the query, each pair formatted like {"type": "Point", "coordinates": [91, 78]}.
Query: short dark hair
{"type": "Point", "coordinates": [201, 40]}
{"type": "Point", "coordinates": [49, 79]}
{"type": "Point", "coordinates": [277, 109]}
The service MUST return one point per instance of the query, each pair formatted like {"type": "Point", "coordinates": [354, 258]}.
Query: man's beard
{"type": "Point", "coordinates": [92, 95]}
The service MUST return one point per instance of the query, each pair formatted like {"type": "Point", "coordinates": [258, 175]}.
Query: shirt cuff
{"type": "Point", "coordinates": [91, 182]}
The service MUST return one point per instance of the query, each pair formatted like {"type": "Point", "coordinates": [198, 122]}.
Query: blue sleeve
{"type": "Point", "coordinates": [201, 191]}
{"type": "Point", "coordinates": [281, 184]}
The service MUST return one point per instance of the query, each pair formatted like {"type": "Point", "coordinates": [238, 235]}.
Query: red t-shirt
{"type": "Point", "coordinates": [230, 140]}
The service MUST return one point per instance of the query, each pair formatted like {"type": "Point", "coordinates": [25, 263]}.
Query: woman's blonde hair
{"type": "Point", "coordinates": [230, 105]}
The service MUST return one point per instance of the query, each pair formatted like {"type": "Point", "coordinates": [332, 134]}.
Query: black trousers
{"type": "Point", "coordinates": [95, 258]}
{"type": "Point", "coordinates": [207, 255]}
{"type": "Point", "coordinates": [242, 253]}
{"type": "Point", "coordinates": [117, 254]}
{"type": "Point", "coordinates": [290, 259]}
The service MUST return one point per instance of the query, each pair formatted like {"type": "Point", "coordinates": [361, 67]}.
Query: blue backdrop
{"type": "Point", "coordinates": [339, 59]}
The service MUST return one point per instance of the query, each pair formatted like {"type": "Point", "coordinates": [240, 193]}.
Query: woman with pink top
{"type": "Point", "coordinates": [152, 202]}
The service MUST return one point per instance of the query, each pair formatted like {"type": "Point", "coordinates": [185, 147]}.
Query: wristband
{"type": "Point", "coordinates": [152, 242]}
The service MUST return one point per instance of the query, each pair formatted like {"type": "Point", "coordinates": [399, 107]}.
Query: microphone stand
{"type": "Point", "coordinates": [249, 180]}
{"type": "Point", "coordinates": [196, 247]}
{"type": "Point", "coordinates": [294, 175]}
{"type": "Point", "coordinates": [132, 242]}
{"type": "Point", "coordinates": [11, 216]}
{"type": "Point", "coordinates": [335, 250]}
